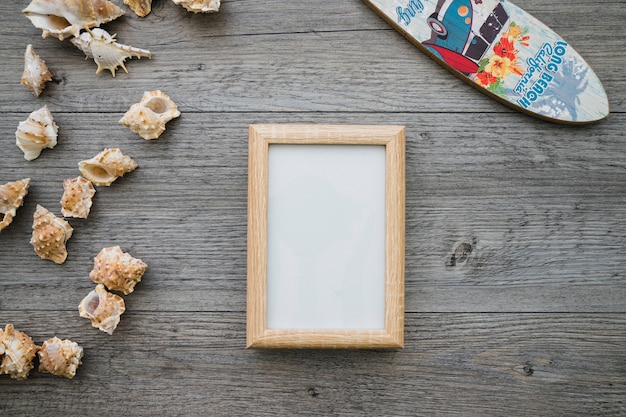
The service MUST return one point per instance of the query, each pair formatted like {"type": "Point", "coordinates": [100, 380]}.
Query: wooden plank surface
{"type": "Point", "coordinates": [515, 227]}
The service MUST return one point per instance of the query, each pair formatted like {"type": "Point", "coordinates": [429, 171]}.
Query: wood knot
{"type": "Point", "coordinates": [528, 370]}
{"type": "Point", "coordinates": [460, 254]}
{"type": "Point", "coordinates": [312, 392]}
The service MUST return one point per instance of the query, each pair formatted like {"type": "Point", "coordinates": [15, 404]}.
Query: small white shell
{"type": "Point", "coordinates": [11, 198]}
{"type": "Point", "coordinates": [77, 195]}
{"type": "Point", "coordinates": [117, 270]}
{"type": "Point", "coordinates": [36, 72]}
{"type": "Point", "coordinates": [64, 18]}
{"type": "Point", "coordinates": [107, 166]}
{"type": "Point", "coordinates": [148, 117]}
{"type": "Point", "coordinates": [105, 51]}
{"type": "Point", "coordinates": [17, 352]}
{"type": "Point", "coordinates": [102, 308]}
{"type": "Point", "coordinates": [60, 357]}
{"type": "Point", "coordinates": [199, 6]}
{"type": "Point", "coordinates": [50, 233]}
{"type": "Point", "coordinates": [35, 133]}
{"type": "Point", "coordinates": [141, 7]}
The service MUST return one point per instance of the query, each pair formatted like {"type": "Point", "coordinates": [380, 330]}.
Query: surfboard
{"type": "Point", "coordinates": [505, 53]}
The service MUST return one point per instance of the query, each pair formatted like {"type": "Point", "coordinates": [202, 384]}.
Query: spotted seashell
{"type": "Point", "coordinates": [17, 352]}
{"type": "Point", "coordinates": [50, 233]}
{"type": "Point", "coordinates": [141, 7]}
{"type": "Point", "coordinates": [77, 195]}
{"type": "Point", "coordinates": [148, 117]}
{"type": "Point", "coordinates": [117, 270]}
{"type": "Point", "coordinates": [59, 357]}
{"type": "Point", "coordinates": [36, 133]}
{"type": "Point", "coordinates": [106, 167]}
{"type": "Point", "coordinates": [105, 51]}
{"type": "Point", "coordinates": [65, 18]}
{"type": "Point", "coordinates": [102, 308]}
{"type": "Point", "coordinates": [199, 6]}
{"type": "Point", "coordinates": [36, 72]}
{"type": "Point", "coordinates": [11, 198]}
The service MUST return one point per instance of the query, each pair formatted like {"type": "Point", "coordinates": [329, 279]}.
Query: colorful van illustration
{"type": "Point", "coordinates": [461, 36]}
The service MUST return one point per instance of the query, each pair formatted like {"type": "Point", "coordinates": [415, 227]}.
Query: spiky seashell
{"type": "Point", "coordinates": [65, 18]}
{"type": "Point", "coordinates": [148, 117]}
{"type": "Point", "coordinates": [76, 200]}
{"type": "Point", "coordinates": [59, 357]}
{"type": "Point", "coordinates": [50, 233]}
{"type": "Point", "coordinates": [105, 51]}
{"type": "Point", "coordinates": [36, 72]}
{"type": "Point", "coordinates": [117, 270]}
{"type": "Point", "coordinates": [35, 133]}
{"type": "Point", "coordinates": [107, 166]}
{"type": "Point", "coordinates": [141, 7]}
{"type": "Point", "coordinates": [19, 351]}
{"type": "Point", "coordinates": [102, 308]}
{"type": "Point", "coordinates": [199, 6]}
{"type": "Point", "coordinates": [11, 198]}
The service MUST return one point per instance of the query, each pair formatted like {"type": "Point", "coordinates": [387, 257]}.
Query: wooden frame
{"type": "Point", "coordinates": [260, 139]}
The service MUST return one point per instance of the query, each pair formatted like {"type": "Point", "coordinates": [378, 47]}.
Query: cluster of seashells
{"type": "Point", "coordinates": [146, 118]}
{"type": "Point", "coordinates": [17, 355]}
{"type": "Point", "coordinates": [81, 20]}
{"type": "Point", "coordinates": [113, 270]}
{"type": "Point", "coordinates": [117, 271]}
{"type": "Point", "coordinates": [50, 232]}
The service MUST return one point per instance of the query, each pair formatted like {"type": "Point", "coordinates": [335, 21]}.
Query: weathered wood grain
{"type": "Point", "coordinates": [285, 56]}
{"type": "Point", "coordinates": [455, 364]}
{"type": "Point", "coordinates": [515, 228]}
{"type": "Point", "coordinates": [541, 208]}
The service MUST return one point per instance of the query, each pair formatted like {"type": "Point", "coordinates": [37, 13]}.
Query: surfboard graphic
{"type": "Point", "coordinates": [504, 52]}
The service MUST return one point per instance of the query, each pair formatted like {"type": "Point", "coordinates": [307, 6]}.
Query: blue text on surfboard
{"type": "Point", "coordinates": [547, 60]}
{"type": "Point", "coordinates": [405, 14]}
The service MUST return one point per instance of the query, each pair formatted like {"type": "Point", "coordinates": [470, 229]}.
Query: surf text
{"type": "Point", "coordinates": [405, 14]}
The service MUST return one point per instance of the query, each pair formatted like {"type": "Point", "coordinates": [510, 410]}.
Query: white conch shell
{"type": "Point", "coordinates": [77, 195]}
{"type": "Point", "coordinates": [60, 357]}
{"type": "Point", "coordinates": [11, 197]}
{"type": "Point", "coordinates": [50, 233]}
{"type": "Point", "coordinates": [148, 117]}
{"type": "Point", "coordinates": [35, 133]}
{"type": "Point", "coordinates": [107, 166]}
{"type": "Point", "coordinates": [199, 6]}
{"type": "Point", "coordinates": [141, 7]}
{"type": "Point", "coordinates": [117, 270]}
{"type": "Point", "coordinates": [64, 18]}
{"type": "Point", "coordinates": [17, 352]}
{"type": "Point", "coordinates": [36, 72]}
{"type": "Point", "coordinates": [105, 51]}
{"type": "Point", "coordinates": [102, 308]}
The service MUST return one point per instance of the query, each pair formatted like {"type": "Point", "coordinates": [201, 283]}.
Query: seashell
{"type": "Point", "coordinates": [102, 308]}
{"type": "Point", "coordinates": [36, 72]}
{"type": "Point", "coordinates": [35, 133]}
{"type": "Point", "coordinates": [107, 166]}
{"type": "Point", "coordinates": [60, 357]}
{"type": "Point", "coordinates": [105, 51]}
{"type": "Point", "coordinates": [65, 18]}
{"type": "Point", "coordinates": [18, 350]}
{"type": "Point", "coordinates": [117, 270]}
{"type": "Point", "coordinates": [76, 200]}
{"type": "Point", "coordinates": [141, 7]}
{"type": "Point", "coordinates": [50, 233]}
{"type": "Point", "coordinates": [199, 6]}
{"type": "Point", "coordinates": [11, 197]}
{"type": "Point", "coordinates": [149, 116]}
